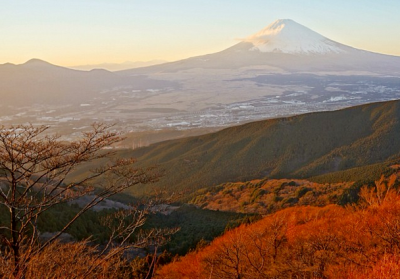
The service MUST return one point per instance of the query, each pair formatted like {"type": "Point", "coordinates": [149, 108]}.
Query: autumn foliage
{"type": "Point", "coordinates": [360, 241]}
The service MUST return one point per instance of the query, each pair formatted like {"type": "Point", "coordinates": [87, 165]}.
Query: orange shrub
{"type": "Point", "coordinates": [307, 242]}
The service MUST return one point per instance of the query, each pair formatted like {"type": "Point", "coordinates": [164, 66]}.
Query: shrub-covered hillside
{"type": "Point", "coordinates": [269, 195]}
{"type": "Point", "coordinates": [307, 242]}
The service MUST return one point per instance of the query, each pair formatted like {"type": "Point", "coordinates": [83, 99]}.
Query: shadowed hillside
{"type": "Point", "coordinates": [300, 146]}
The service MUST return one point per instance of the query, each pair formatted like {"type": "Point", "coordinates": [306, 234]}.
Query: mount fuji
{"type": "Point", "coordinates": [287, 36]}
{"type": "Point", "coordinates": [290, 46]}
{"type": "Point", "coordinates": [284, 69]}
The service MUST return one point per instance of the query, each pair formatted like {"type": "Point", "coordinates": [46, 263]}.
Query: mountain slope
{"type": "Point", "coordinates": [304, 242]}
{"type": "Point", "coordinates": [300, 146]}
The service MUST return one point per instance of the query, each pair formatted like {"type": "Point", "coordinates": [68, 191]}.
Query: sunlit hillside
{"type": "Point", "coordinates": [307, 242]}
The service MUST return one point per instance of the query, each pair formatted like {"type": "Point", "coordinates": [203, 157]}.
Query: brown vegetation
{"type": "Point", "coordinates": [307, 242]}
{"type": "Point", "coordinates": [268, 195]}
{"type": "Point", "coordinates": [71, 260]}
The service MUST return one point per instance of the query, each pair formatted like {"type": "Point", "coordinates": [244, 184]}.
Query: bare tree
{"type": "Point", "coordinates": [34, 167]}
{"type": "Point", "coordinates": [384, 191]}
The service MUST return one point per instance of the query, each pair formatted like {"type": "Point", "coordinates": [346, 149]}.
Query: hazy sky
{"type": "Point", "coordinates": [74, 32]}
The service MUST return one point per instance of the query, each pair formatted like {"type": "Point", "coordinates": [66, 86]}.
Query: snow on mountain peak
{"type": "Point", "coordinates": [287, 36]}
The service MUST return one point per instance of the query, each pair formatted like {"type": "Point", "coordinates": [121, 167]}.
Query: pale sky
{"type": "Point", "coordinates": [77, 32]}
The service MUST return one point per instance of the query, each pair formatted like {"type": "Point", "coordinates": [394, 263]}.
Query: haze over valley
{"type": "Point", "coordinates": [285, 69]}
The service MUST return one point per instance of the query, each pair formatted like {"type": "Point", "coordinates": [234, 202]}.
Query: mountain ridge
{"type": "Point", "coordinates": [292, 147]}
{"type": "Point", "coordinates": [39, 82]}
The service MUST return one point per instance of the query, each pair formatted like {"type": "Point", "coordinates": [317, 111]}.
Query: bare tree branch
{"type": "Point", "coordinates": [34, 168]}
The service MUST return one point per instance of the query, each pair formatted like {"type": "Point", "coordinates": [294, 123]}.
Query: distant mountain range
{"type": "Point", "coordinates": [118, 66]}
{"type": "Point", "coordinates": [39, 82]}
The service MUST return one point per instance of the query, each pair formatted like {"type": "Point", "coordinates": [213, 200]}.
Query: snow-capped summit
{"type": "Point", "coordinates": [289, 46]}
{"type": "Point", "coordinates": [287, 36]}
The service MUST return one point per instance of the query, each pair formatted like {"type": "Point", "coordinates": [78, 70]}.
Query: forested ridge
{"type": "Point", "coordinates": [303, 146]}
